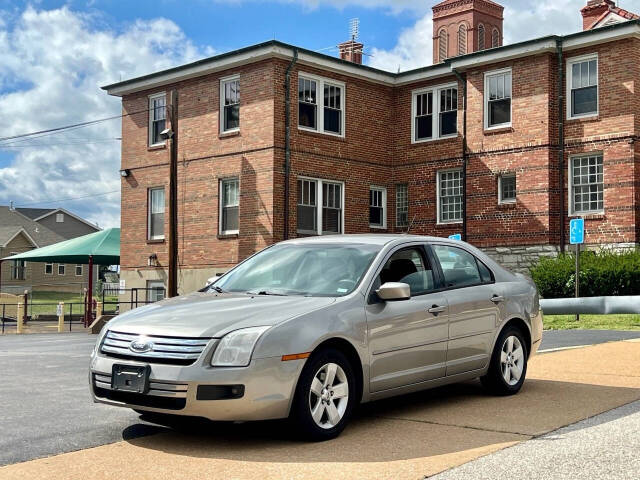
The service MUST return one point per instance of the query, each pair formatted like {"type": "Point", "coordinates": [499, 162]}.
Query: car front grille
{"type": "Point", "coordinates": [156, 388]}
{"type": "Point", "coordinates": [171, 350]}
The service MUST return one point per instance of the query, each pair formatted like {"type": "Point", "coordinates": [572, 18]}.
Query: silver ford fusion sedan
{"type": "Point", "coordinates": [309, 328]}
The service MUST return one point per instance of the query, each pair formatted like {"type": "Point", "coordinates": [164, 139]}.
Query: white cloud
{"type": "Point", "coordinates": [395, 6]}
{"type": "Point", "coordinates": [523, 20]}
{"type": "Point", "coordinates": [52, 64]}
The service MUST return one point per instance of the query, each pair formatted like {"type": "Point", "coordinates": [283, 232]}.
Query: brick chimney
{"type": "Point", "coordinates": [351, 51]}
{"type": "Point", "coordinates": [594, 10]}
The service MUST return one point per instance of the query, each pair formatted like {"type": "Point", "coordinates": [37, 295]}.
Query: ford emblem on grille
{"type": "Point", "coordinates": [141, 346]}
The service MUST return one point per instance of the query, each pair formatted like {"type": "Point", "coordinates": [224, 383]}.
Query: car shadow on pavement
{"type": "Point", "coordinates": [435, 423]}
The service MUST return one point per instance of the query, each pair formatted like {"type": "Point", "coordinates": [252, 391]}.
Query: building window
{"type": "Point", "coordinates": [330, 118]}
{"type": "Point", "coordinates": [157, 118]}
{"type": "Point", "coordinates": [59, 217]}
{"type": "Point", "coordinates": [481, 37]}
{"type": "Point", "coordinates": [450, 196]}
{"type": "Point", "coordinates": [427, 126]}
{"type": "Point", "coordinates": [507, 188]}
{"type": "Point", "coordinates": [320, 210]}
{"type": "Point", "coordinates": [587, 184]}
{"type": "Point", "coordinates": [61, 269]}
{"type": "Point", "coordinates": [495, 38]}
{"type": "Point", "coordinates": [443, 47]}
{"type": "Point", "coordinates": [156, 213]}
{"type": "Point", "coordinates": [582, 83]}
{"type": "Point", "coordinates": [48, 268]}
{"type": "Point", "coordinates": [378, 207]}
{"type": "Point", "coordinates": [462, 39]}
{"type": "Point", "coordinates": [78, 270]}
{"type": "Point", "coordinates": [402, 205]}
{"type": "Point", "coordinates": [155, 291]}
{"type": "Point", "coordinates": [230, 104]}
{"type": "Point", "coordinates": [18, 268]}
{"type": "Point", "coordinates": [229, 206]}
{"type": "Point", "coordinates": [497, 99]}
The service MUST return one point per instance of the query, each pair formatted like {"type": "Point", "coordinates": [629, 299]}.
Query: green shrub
{"type": "Point", "coordinates": [602, 273]}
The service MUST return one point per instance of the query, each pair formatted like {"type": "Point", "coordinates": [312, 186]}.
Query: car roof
{"type": "Point", "coordinates": [369, 239]}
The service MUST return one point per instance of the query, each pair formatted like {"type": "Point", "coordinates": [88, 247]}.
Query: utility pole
{"type": "Point", "coordinates": [173, 198]}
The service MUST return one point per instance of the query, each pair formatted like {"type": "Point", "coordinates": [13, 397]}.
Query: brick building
{"type": "Point", "coordinates": [503, 144]}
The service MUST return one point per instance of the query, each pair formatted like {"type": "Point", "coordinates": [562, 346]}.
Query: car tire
{"type": "Point", "coordinates": [508, 367]}
{"type": "Point", "coordinates": [322, 406]}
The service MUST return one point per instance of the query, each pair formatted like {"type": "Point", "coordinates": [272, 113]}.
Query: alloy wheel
{"type": "Point", "coordinates": [512, 360]}
{"type": "Point", "coordinates": [329, 396]}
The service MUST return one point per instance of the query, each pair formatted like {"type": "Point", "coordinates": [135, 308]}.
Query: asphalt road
{"type": "Point", "coordinates": [47, 408]}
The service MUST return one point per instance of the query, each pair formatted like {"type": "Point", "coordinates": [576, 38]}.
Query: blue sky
{"type": "Point", "coordinates": [54, 56]}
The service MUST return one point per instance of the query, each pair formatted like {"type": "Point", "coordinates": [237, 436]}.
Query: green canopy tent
{"type": "Point", "coordinates": [99, 248]}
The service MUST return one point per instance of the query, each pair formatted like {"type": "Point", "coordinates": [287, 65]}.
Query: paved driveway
{"type": "Point", "coordinates": [48, 411]}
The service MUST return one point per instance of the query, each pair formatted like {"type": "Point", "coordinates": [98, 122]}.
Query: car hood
{"type": "Point", "coordinates": [213, 315]}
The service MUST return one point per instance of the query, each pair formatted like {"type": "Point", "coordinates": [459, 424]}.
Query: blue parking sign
{"type": "Point", "coordinates": [457, 236]}
{"type": "Point", "coordinates": [576, 229]}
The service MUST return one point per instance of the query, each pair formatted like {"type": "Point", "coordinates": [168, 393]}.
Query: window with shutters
{"type": "Point", "coordinates": [481, 37]}
{"type": "Point", "coordinates": [435, 113]}
{"type": "Point", "coordinates": [443, 47]}
{"type": "Point", "coordinates": [320, 207]}
{"type": "Point", "coordinates": [462, 39]}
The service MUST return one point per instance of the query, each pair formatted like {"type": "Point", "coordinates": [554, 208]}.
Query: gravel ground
{"type": "Point", "coordinates": [602, 447]}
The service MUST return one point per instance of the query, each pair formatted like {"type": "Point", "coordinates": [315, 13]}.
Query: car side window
{"type": "Point", "coordinates": [459, 267]}
{"type": "Point", "coordinates": [409, 266]}
{"type": "Point", "coordinates": [485, 273]}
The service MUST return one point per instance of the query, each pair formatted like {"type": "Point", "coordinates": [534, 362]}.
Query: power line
{"type": "Point", "coordinates": [10, 146]}
{"type": "Point", "coordinates": [69, 199]}
{"type": "Point", "coordinates": [69, 127]}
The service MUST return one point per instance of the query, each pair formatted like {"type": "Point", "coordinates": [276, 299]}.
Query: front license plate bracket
{"type": "Point", "coordinates": [130, 378]}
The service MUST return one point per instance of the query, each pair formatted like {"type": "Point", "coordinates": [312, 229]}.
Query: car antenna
{"type": "Point", "coordinates": [411, 224]}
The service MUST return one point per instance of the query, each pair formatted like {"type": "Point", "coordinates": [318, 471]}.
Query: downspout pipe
{"type": "Point", "coordinates": [463, 80]}
{"type": "Point", "coordinates": [561, 99]}
{"type": "Point", "coordinates": [287, 139]}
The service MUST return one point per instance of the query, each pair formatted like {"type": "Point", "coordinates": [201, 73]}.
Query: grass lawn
{"type": "Point", "coordinates": [45, 303]}
{"type": "Point", "coordinates": [592, 322]}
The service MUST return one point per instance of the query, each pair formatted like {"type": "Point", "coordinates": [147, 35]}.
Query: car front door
{"type": "Point", "coordinates": [473, 308]}
{"type": "Point", "coordinates": [407, 338]}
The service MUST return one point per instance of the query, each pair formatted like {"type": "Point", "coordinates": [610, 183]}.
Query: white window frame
{"type": "Point", "coordinates": [59, 217]}
{"type": "Point", "coordinates": [398, 225]}
{"type": "Point", "coordinates": [487, 76]}
{"type": "Point", "coordinates": [149, 206]}
{"type": "Point", "coordinates": [571, 199]}
{"type": "Point", "coordinates": [438, 212]}
{"type": "Point", "coordinates": [151, 292]}
{"type": "Point", "coordinates": [435, 127]}
{"type": "Point", "coordinates": [383, 190]}
{"type": "Point", "coordinates": [15, 268]}
{"type": "Point", "coordinates": [45, 268]}
{"type": "Point", "coordinates": [319, 207]}
{"type": "Point", "coordinates": [64, 269]}
{"type": "Point", "coordinates": [81, 270]}
{"type": "Point", "coordinates": [320, 84]}
{"type": "Point", "coordinates": [500, 178]}
{"type": "Point", "coordinates": [150, 107]}
{"type": "Point", "coordinates": [223, 82]}
{"type": "Point", "coordinates": [221, 206]}
{"type": "Point", "coordinates": [569, 83]}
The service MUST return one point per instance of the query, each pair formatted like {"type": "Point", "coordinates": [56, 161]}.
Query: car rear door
{"type": "Point", "coordinates": [473, 302]}
{"type": "Point", "coordinates": [407, 339]}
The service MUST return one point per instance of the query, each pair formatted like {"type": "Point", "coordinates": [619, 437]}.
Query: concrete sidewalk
{"type": "Point", "coordinates": [408, 437]}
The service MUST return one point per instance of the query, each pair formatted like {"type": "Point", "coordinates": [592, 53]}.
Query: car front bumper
{"type": "Point", "coordinates": [269, 385]}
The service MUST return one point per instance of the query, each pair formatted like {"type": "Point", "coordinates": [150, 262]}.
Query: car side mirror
{"type": "Point", "coordinates": [392, 291]}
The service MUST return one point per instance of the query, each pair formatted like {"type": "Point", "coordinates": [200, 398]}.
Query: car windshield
{"type": "Point", "coordinates": [299, 269]}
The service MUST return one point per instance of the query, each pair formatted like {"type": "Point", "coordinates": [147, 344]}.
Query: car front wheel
{"type": "Point", "coordinates": [325, 396]}
{"type": "Point", "coordinates": [508, 367]}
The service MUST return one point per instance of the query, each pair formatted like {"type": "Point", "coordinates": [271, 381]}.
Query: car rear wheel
{"type": "Point", "coordinates": [508, 367]}
{"type": "Point", "coordinates": [325, 396]}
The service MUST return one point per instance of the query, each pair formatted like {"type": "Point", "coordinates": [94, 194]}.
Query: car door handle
{"type": "Point", "coordinates": [436, 309]}
{"type": "Point", "coordinates": [497, 299]}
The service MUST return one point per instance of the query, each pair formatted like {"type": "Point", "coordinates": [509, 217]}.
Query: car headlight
{"type": "Point", "coordinates": [235, 348]}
